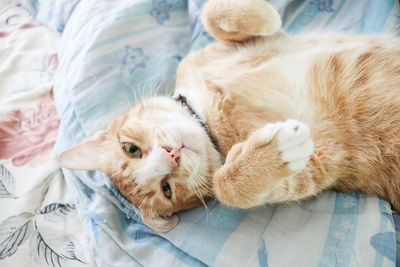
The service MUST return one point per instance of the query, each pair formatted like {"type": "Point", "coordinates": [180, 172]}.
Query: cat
{"type": "Point", "coordinates": [259, 116]}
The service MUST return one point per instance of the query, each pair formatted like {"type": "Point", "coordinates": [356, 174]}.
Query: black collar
{"type": "Point", "coordinates": [183, 101]}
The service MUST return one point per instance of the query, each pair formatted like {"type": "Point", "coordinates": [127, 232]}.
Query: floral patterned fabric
{"type": "Point", "coordinates": [28, 135]}
{"type": "Point", "coordinates": [39, 225]}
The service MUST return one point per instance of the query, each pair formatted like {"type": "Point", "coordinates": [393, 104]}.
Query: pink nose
{"type": "Point", "coordinates": [173, 155]}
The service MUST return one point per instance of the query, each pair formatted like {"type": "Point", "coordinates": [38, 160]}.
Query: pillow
{"type": "Point", "coordinates": [114, 52]}
{"type": "Point", "coordinates": [53, 13]}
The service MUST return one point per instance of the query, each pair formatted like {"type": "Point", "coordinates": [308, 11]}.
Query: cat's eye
{"type": "Point", "coordinates": [166, 189]}
{"type": "Point", "coordinates": [132, 150]}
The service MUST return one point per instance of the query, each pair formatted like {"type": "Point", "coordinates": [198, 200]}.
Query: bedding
{"type": "Point", "coordinates": [111, 54]}
{"type": "Point", "coordinates": [38, 222]}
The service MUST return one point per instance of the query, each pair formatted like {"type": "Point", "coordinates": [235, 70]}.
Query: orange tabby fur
{"type": "Point", "coordinates": [259, 89]}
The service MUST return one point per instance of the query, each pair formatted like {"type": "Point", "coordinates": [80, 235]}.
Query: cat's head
{"type": "Point", "coordinates": [158, 155]}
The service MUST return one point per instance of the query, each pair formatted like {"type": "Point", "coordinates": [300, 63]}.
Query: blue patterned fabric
{"type": "Point", "coordinates": [53, 13]}
{"type": "Point", "coordinates": [115, 52]}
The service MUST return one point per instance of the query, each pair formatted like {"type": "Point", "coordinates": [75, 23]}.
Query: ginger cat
{"type": "Point", "coordinates": [258, 117]}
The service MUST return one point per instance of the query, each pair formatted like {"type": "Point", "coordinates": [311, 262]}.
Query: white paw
{"type": "Point", "coordinates": [294, 142]}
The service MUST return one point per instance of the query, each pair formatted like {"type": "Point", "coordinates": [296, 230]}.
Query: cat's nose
{"type": "Point", "coordinates": [174, 154]}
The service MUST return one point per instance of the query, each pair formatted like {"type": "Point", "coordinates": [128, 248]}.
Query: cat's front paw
{"type": "Point", "coordinates": [293, 140]}
{"type": "Point", "coordinates": [259, 164]}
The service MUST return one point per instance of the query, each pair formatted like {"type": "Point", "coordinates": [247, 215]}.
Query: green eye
{"type": "Point", "coordinates": [166, 189]}
{"type": "Point", "coordinates": [132, 150]}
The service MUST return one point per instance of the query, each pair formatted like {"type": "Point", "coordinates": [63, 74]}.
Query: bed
{"type": "Point", "coordinates": [68, 67]}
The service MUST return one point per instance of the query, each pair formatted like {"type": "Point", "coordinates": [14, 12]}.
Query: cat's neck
{"type": "Point", "coordinates": [216, 121]}
{"type": "Point", "coordinates": [184, 102]}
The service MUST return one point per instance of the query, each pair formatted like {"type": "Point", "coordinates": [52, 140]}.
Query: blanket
{"type": "Point", "coordinates": [120, 51]}
{"type": "Point", "coordinates": [39, 225]}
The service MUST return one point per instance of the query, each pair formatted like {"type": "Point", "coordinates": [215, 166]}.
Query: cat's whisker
{"type": "Point", "coordinates": [136, 96]}
{"type": "Point", "coordinates": [196, 188]}
{"type": "Point", "coordinates": [151, 208]}
{"type": "Point", "coordinates": [141, 206]}
{"type": "Point", "coordinates": [145, 92]}
{"type": "Point", "coordinates": [134, 93]}
{"type": "Point", "coordinates": [154, 90]}
{"type": "Point", "coordinates": [197, 177]}
{"type": "Point", "coordinates": [201, 182]}
{"type": "Point", "coordinates": [115, 172]}
{"type": "Point", "coordinates": [152, 85]}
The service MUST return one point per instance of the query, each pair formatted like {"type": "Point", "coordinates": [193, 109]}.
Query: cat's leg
{"type": "Point", "coordinates": [278, 162]}
{"type": "Point", "coordinates": [239, 20]}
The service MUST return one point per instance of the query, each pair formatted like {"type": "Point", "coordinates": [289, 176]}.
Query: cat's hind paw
{"type": "Point", "coordinates": [238, 20]}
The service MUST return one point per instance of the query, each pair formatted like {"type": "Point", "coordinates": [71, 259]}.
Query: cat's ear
{"type": "Point", "coordinates": [159, 223]}
{"type": "Point", "coordinates": [85, 156]}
